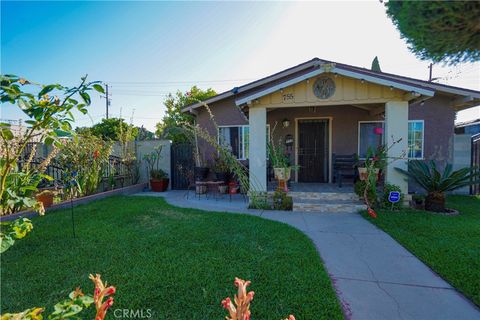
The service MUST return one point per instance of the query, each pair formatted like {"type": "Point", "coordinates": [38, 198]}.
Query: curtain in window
{"type": "Point", "coordinates": [368, 138]}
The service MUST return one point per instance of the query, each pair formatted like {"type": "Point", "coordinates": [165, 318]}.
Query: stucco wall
{"type": "Point", "coordinates": [146, 147]}
{"type": "Point", "coordinates": [436, 112]}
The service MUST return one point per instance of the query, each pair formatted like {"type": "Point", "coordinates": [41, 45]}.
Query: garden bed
{"type": "Point", "coordinates": [179, 263]}
{"type": "Point", "coordinates": [76, 201]}
{"type": "Point", "coordinates": [449, 244]}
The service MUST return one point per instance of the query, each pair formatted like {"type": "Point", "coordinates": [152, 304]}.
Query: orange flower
{"type": "Point", "coordinates": [100, 292]}
{"type": "Point", "coordinates": [372, 213]}
{"type": "Point", "coordinates": [241, 309]}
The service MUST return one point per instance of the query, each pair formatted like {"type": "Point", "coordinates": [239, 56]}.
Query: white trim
{"type": "Point", "coordinates": [337, 70]}
{"type": "Point", "coordinates": [280, 86]}
{"type": "Point", "coordinates": [243, 138]}
{"type": "Point", "coordinates": [383, 121]}
{"type": "Point", "coordinates": [330, 130]}
{"type": "Point", "coordinates": [423, 140]}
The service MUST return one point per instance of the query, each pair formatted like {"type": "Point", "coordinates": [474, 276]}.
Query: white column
{"type": "Point", "coordinates": [396, 127]}
{"type": "Point", "coordinates": [258, 148]}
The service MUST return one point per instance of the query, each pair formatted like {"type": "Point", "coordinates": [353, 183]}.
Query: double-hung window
{"type": "Point", "coordinates": [370, 135]}
{"type": "Point", "coordinates": [235, 139]}
{"type": "Point", "coordinates": [415, 139]}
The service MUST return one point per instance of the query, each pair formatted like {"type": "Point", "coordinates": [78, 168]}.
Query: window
{"type": "Point", "coordinates": [415, 139]}
{"type": "Point", "coordinates": [370, 135]}
{"type": "Point", "coordinates": [237, 139]}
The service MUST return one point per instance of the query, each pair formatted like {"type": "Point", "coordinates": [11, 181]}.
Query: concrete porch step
{"type": "Point", "coordinates": [332, 206]}
{"type": "Point", "coordinates": [343, 196]}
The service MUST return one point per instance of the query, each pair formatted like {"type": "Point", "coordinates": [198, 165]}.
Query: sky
{"type": "Point", "coordinates": [144, 50]}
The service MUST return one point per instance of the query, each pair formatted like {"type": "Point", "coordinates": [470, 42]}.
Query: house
{"type": "Point", "coordinates": [468, 127]}
{"type": "Point", "coordinates": [321, 108]}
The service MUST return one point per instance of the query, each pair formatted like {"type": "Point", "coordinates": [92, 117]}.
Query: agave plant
{"type": "Point", "coordinates": [428, 176]}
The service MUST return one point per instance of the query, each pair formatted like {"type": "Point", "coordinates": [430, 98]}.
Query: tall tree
{"type": "Point", "coordinates": [441, 31]}
{"type": "Point", "coordinates": [376, 65]}
{"type": "Point", "coordinates": [168, 128]}
{"type": "Point", "coordinates": [110, 129]}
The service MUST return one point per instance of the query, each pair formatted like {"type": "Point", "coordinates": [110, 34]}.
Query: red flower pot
{"type": "Point", "coordinates": [159, 185]}
{"type": "Point", "coordinates": [46, 199]}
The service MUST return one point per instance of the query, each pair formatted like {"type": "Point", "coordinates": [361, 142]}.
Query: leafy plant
{"type": "Point", "coordinates": [387, 188]}
{"type": "Point", "coordinates": [219, 165]}
{"type": "Point", "coordinates": [435, 183]}
{"type": "Point", "coordinates": [87, 156]}
{"type": "Point", "coordinates": [158, 174]}
{"type": "Point", "coordinates": [153, 160]}
{"type": "Point", "coordinates": [438, 30]}
{"type": "Point", "coordinates": [13, 230]}
{"type": "Point", "coordinates": [277, 153]}
{"type": "Point", "coordinates": [281, 201]}
{"type": "Point", "coordinates": [71, 307]}
{"type": "Point", "coordinates": [371, 193]}
{"type": "Point", "coordinates": [47, 114]}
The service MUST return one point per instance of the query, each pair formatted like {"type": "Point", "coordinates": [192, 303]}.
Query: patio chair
{"type": "Point", "coordinates": [344, 166]}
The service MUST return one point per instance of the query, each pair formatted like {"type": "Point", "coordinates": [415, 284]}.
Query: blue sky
{"type": "Point", "coordinates": [147, 49]}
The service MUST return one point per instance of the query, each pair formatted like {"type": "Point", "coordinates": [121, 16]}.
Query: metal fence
{"type": "Point", "coordinates": [475, 188]}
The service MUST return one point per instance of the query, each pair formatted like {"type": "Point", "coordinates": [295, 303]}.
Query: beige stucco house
{"type": "Point", "coordinates": [320, 108]}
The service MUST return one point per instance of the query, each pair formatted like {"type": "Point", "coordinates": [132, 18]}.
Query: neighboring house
{"type": "Point", "coordinates": [322, 108]}
{"type": "Point", "coordinates": [468, 127]}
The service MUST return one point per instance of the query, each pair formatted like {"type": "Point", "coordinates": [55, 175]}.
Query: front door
{"type": "Point", "coordinates": [313, 150]}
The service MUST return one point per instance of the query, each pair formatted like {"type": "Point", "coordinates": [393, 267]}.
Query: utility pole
{"type": "Point", "coordinates": [107, 100]}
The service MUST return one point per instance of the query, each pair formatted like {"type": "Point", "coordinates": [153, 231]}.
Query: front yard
{"type": "Point", "coordinates": [180, 263]}
{"type": "Point", "coordinates": [450, 245]}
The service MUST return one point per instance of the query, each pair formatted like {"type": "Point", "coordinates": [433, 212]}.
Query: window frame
{"type": "Point", "coordinates": [243, 138]}
{"type": "Point", "coordinates": [383, 121]}
{"type": "Point", "coordinates": [423, 141]}
{"type": "Point", "coordinates": [358, 134]}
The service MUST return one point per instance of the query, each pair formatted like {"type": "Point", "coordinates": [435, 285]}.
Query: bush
{"type": "Point", "coordinates": [360, 186]}
{"type": "Point", "coordinates": [158, 174]}
{"type": "Point", "coordinates": [387, 188]}
{"type": "Point", "coordinates": [281, 201]}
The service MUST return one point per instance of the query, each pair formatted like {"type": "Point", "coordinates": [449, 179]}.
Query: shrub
{"type": "Point", "coordinates": [281, 201]}
{"type": "Point", "coordinates": [360, 186]}
{"type": "Point", "coordinates": [387, 188]}
{"type": "Point", "coordinates": [158, 174]}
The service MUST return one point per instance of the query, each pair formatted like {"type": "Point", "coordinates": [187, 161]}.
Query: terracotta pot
{"type": "Point", "coordinates": [363, 175]}
{"type": "Point", "coordinates": [46, 199]}
{"type": "Point", "coordinates": [282, 173]}
{"type": "Point", "coordinates": [159, 185]}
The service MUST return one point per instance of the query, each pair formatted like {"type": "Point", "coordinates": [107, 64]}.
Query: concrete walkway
{"type": "Point", "coordinates": [375, 277]}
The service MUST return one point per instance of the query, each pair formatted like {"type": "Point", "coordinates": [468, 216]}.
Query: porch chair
{"type": "Point", "coordinates": [344, 166]}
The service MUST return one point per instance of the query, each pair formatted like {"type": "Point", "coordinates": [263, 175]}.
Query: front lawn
{"type": "Point", "coordinates": [180, 263]}
{"type": "Point", "coordinates": [450, 245]}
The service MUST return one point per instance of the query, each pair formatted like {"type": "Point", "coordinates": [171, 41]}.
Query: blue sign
{"type": "Point", "coordinates": [394, 196]}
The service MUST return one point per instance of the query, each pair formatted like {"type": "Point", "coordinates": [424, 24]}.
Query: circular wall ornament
{"type": "Point", "coordinates": [324, 88]}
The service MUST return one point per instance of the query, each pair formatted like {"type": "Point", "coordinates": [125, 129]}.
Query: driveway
{"type": "Point", "coordinates": [374, 276]}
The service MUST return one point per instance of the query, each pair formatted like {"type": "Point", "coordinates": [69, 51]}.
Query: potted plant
{"type": "Point", "coordinates": [281, 163]}
{"type": "Point", "coordinates": [437, 183]}
{"type": "Point", "coordinates": [46, 197]}
{"type": "Point", "coordinates": [375, 160]}
{"type": "Point", "coordinates": [158, 178]}
{"type": "Point", "coordinates": [221, 170]}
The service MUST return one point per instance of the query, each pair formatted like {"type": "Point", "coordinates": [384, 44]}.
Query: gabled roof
{"type": "Point", "coordinates": [316, 66]}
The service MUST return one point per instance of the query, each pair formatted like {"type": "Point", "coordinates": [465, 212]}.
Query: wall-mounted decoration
{"type": "Point", "coordinates": [324, 87]}
{"type": "Point", "coordinates": [286, 123]}
{"type": "Point", "coordinates": [288, 140]}
{"type": "Point", "coordinates": [287, 97]}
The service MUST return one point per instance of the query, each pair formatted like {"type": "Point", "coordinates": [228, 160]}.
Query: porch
{"type": "Point", "coordinates": [320, 114]}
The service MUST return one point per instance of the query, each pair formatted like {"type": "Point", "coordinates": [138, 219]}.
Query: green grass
{"type": "Point", "coordinates": [180, 263]}
{"type": "Point", "coordinates": [450, 245]}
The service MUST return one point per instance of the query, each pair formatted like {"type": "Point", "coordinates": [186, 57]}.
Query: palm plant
{"type": "Point", "coordinates": [435, 183]}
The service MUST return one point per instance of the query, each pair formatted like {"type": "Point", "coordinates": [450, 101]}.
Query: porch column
{"type": "Point", "coordinates": [258, 148]}
{"type": "Point", "coordinates": [396, 126]}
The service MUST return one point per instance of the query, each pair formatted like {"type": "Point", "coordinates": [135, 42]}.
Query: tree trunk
{"type": "Point", "coordinates": [435, 201]}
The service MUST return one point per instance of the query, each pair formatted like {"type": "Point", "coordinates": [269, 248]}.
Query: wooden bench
{"type": "Point", "coordinates": [344, 166]}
